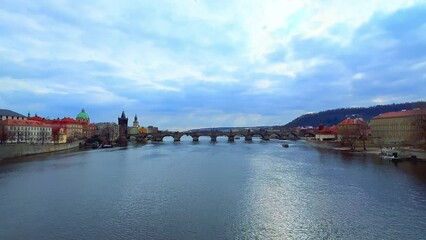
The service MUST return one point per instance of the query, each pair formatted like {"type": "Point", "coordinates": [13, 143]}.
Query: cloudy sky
{"type": "Point", "coordinates": [192, 63]}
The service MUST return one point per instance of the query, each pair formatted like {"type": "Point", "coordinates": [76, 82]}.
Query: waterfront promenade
{"type": "Point", "coordinates": [23, 149]}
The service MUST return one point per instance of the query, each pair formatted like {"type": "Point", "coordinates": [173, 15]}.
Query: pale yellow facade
{"type": "Point", "coordinates": [395, 130]}
{"type": "Point", "coordinates": [74, 131]}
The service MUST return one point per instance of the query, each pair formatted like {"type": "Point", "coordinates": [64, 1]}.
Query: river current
{"type": "Point", "coordinates": [205, 190]}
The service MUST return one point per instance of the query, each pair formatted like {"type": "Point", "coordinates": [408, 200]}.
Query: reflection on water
{"type": "Point", "coordinates": [186, 190]}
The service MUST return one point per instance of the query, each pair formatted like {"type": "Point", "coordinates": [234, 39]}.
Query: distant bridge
{"type": "Point", "coordinates": [246, 134]}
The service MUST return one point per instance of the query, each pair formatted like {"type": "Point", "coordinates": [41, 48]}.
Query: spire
{"type": "Point", "coordinates": [136, 118]}
{"type": "Point", "coordinates": [82, 110]}
{"type": "Point", "coordinates": [123, 115]}
{"type": "Point", "coordinates": [28, 114]}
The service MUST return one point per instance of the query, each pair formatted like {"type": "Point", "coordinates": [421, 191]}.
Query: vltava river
{"type": "Point", "coordinates": [202, 190]}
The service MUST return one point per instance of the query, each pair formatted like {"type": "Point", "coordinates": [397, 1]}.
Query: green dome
{"type": "Point", "coordinates": [83, 115]}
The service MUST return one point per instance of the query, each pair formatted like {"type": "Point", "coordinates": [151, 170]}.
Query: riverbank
{"type": "Point", "coordinates": [20, 150]}
{"type": "Point", "coordinates": [371, 150]}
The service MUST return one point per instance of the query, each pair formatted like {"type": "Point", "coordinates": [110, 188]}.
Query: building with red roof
{"type": "Point", "coordinates": [37, 129]}
{"type": "Point", "coordinates": [68, 129]}
{"type": "Point", "coordinates": [73, 128]}
{"type": "Point", "coordinates": [398, 128]}
{"type": "Point", "coordinates": [353, 128]}
{"type": "Point", "coordinates": [26, 131]}
{"type": "Point", "coordinates": [401, 114]}
{"type": "Point", "coordinates": [327, 133]}
{"type": "Point", "coordinates": [58, 128]}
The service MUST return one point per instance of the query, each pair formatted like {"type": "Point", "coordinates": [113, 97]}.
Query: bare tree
{"type": "Point", "coordinates": [349, 136]}
{"type": "Point", "coordinates": [56, 135]}
{"type": "Point", "coordinates": [72, 137]}
{"type": "Point", "coordinates": [353, 132]}
{"type": "Point", "coordinates": [4, 133]}
{"type": "Point", "coordinates": [108, 133]}
{"type": "Point", "coordinates": [364, 131]}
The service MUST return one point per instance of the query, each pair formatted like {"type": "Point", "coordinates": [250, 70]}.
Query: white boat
{"type": "Point", "coordinates": [107, 145]}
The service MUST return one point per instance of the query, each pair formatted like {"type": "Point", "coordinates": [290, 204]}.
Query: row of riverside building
{"type": "Point", "coordinates": [17, 128]}
{"type": "Point", "coordinates": [391, 129]}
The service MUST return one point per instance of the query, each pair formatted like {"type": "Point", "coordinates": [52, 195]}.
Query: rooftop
{"type": "Point", "coordinates": [68, 120]}
{"type": "Point", "coordinates": [403, 113]}
{"type": "Point", "coordinates": [6, 112]}
{"type": "Point", "coordinates": [328, 130]}
{"type": "Point", "coordinates": [352, 121]}
{"type": "Point", "coordinates": [16, 122]}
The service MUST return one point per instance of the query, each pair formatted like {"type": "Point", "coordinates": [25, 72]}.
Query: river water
{"type": "Point", "coordinates": [205, 190]}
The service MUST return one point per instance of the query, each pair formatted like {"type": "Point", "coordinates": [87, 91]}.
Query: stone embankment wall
{"type": "Point", "coordinates": [18, 150]}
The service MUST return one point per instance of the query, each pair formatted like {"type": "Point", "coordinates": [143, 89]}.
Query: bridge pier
{"type": "Point", "coordinates": [176, 138]}
{"type": "Point", "coordinates": [213, 138]}
{"type": "Point", "coordinates": [231, 138]}
{"type": "Point", "coordinates": [157, 139]}
{"type": "Point", "coordinates": [248, 138]}
{"type": "Point", "coordinates": [195, 138]}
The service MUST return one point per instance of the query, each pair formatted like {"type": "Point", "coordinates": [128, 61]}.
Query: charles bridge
{"type": "Point", "coordinates": [213, 134]}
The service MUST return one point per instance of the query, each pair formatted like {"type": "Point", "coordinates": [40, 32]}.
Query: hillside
{"type": "Point", "coordinates": [332, 117]}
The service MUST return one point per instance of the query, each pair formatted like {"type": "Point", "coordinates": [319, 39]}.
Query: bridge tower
{"type": "Point", "coordinates": [122, 129]}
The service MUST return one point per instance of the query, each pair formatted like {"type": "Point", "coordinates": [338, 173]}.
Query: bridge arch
{"type": "Point", "coordinates": [228, 136]}
{"type": "Point", "coordinates": [184, 136]}
{"type": "Point", "coordinates": [261, 135]}
{"type": "Point", "coordinates": [204, 137]}
{"type": "Point", "coordinates": [147, 137]}
{"type": "Point", "coordinates": [275, 136]}
{"type": "Point", "coordinates": [291, 135]}
{"type": "Point", "coordinates": [240, 135]}
{"type": "Point", "coordinates": [167, 136]}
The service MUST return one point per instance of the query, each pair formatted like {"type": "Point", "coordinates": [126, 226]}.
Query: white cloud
{"type": "Point", "coordinates": [9, 85]}
{"type": "Point", "coordinates": [386, 100]}
{"type": "Point", "coordinates": [263, 84]}
{"type": "Point", "coordinates": [19, 22]}
{"type": "Point", "coordinates": [274, 24]}
{"type": "Point", "coordinates": [418, 65]}
{"type": "Point", "coordinates": [89, 93]}
{"type": "Point", "coordinates": [160, 47]}
{"type": "Point", "coordinates": [292, 68]}
{"type": "Point", "coordinates": [359, 76]}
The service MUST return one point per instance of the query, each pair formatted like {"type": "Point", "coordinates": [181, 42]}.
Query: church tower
{"type": "Point", "coordinates": [122, 129]}
{"type": "Point", "coordinates": [135, 122]}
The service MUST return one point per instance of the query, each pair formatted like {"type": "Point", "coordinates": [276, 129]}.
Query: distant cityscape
{"type": "Point", "coordinates": [403, 129]}
{"type": "Point", "coordinates": [17, 128]}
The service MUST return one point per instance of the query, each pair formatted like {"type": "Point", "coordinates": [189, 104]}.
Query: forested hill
{"type": "Point", "coordinates": [332, 117]}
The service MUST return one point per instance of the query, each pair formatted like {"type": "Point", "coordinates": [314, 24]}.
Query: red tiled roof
{"type": "Point", "coordinates": [350, 121]}
{"type": "Point", "coordinates": [328, 130]}
{"type": "Point", "coordinates": [37, 118]}
{"type": "Point", "coordinates": [68, 120]}
{"type": "Point", "coordinates": [407, 113]}
{"type": "Point", "coordinates": [63, 121]}
{"type": "Point", "coordinates": [16, 122]}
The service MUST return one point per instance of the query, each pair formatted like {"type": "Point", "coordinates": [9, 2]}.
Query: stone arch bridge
{"type": "Point", "coordinates": [246, 134]}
